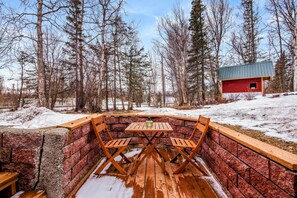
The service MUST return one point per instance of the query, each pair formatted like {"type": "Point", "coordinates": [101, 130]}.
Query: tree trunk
{"type": "Point", "coordinates": [20, 104]}
{"type": "Point", "coordinates": [80, 54]}
{"type": "Point", "coordinates": [102, 62]}
{"type": "Point", "coordinates": [40, 63]}
{"type": "Point", "coordinates": [106, 82]}
{"type": "Point", "coordinates": [120, 79]}
{"type": "Point", "coordinates": [163, 82]}
{"type": "Point", "coordinates": [295, 61]}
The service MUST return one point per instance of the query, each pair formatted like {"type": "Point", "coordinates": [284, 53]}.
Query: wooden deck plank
{"type": "Point", "coordinates": [206, 188]}
{"type": "Point", "coordinates": [150, 178]}
{"type": "Point", "coordinates": [160, 181]}
{"type": "Point", "coordinates": [170, 182]}
{"type": "Point", "coordinates": [139, 182]}
{"type": "Point", "coordinates": [186, 183]}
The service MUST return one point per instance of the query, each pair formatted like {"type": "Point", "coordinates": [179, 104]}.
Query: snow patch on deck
{"type": "Point", "coordinates": [106, 186]}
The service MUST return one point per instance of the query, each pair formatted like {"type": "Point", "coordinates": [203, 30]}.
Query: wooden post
{"type": "Point", "coordinates": [262, 88]}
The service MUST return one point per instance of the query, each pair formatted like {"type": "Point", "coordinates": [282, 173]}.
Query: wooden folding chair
{"type": "Point", "coordinates": [119, 145]}
{"type": "Point", "coordinates": [181, 145]}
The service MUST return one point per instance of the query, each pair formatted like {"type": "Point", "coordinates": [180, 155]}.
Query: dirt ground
{"type": "Point", "coordinates": [288, 146]}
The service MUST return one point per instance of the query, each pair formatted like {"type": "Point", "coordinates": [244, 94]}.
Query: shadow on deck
{"type": "Point", "coordinates": [150, 181]}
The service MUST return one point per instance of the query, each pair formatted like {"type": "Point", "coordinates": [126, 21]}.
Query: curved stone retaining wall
{"type": "Point", "coordinates": [59, 160]}
{"type": "Point", "coordinates": [246, 167]}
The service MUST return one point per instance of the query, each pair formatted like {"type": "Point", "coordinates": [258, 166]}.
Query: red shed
{"type": "Point", "coordinates": [245, 80]}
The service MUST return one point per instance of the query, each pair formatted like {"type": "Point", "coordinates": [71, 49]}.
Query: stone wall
{"type": "Point", "coordinates": [244, 172]}
{"type": "Point", "coordinates": [81, 152]}
{"type": "Point", "coordinates": [58, 159]}
{"type": "Point", "coordinates": [241, 170]}
{"type": "Point", "coordinates": [20, 151]}
{"type": "Point", "coordinates": [55, 159]}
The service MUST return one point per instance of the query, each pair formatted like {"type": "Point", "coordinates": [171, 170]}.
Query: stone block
{"type": "Point", "coordinates": [205, 147]}
{"type": "Point", "coordinates": [25, 156]}
{"type": "Point", "coordinates": [68, 138]}
{"type": "Point", "coordinates": [79, 166]}
{"type": "Point", "coordinates": [190, 124]}
{"type": "Point", "coordinates": [78, 144]}
{"type": "Point", "coordinates": [25, 184]}
{"type": "Point", "coordinates": [227, 170]}
{"type": "Point", "coordinates": [126, 120]}
{"type": "Point", "coordinates": [228, 144]}
{"type": "Point", "coordinates": [5, 155]}
{"type": "Point", "coordinates": [161, 119]}
{"type": "Point", "coordinates": [220, 174]}
{"type": "Point", "coordinates": [19, 140]}
{"type": "Point", "coordinates": [118, 127]}
{"type": "Point", "coordinates": [66, 178]}
{"type": "Point", "coordinates": [247, 189]}
{"type": "Point", "coordinates": [86, 129]}
{"type": "Point", "coordinates": [177, 135]}
{"type": "Point", "coordinates": [215, 136]}
{"type": "Point", "coordinates": [284, 178]}
{"type": "Point", "coordinates": [111, 120]}
{"type": "Point", "coordinates": [114, 134]}
{"type": "Point", "coordinates": [85, 150]}
{"type": "Point", "coordinates": [254, 160]}
{"type": "Point", "coordinates": [1, 138]}
{"type": "Point", "coordinates": [165, 141]}
{"type": "Point", "coordinates": [26, 171]}
{"type": "Point", "coordinates": [176, 122]}
{"type": "Point", "coordinates": [140, 119]}
{"type": "Point", "coordinates": [70, 162]}
{"type": "Point", "coordinates": [77, 133]}
{"type": "Point", "coordinates": [184, 130]}
{"type": "Point", "coordinates": [68, 150]}
{"type": "Point", "coordinates": [234, 190]}
{"type": "Point", "coordinates": [71, 185]}
{"type": "Point", "coordinates": [94, 143]}
{"type": "Point", "coordinates": [266, 187]}
{"type": "Point", "coordinates": [125, 135]}
{"type": "Point", "coordinates": [232, 161]}
{"type": "Point", "coordinates": [134, 141]}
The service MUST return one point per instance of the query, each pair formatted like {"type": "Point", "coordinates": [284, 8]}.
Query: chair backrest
{"type": "Point", "coordinates": [202, 126]}
{"type": "Point", "coordinates": [99, 126]}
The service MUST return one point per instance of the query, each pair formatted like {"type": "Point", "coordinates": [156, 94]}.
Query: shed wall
{"type": "Point", "coordinates": [241, 85]}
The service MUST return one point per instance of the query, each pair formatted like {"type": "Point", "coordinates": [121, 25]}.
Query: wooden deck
{"type": "Point", "coordinates": [150, 181]}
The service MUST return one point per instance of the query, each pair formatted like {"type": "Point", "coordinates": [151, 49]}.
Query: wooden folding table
{"type": "Point", "coordinates": [142, 132]}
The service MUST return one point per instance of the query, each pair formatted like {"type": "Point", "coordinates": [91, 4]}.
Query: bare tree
{"type": "Point", "coordinates": [103, 14]}
{"type": "Point", "coordinates": [218, 19]}
{"type": "Point", "coordinates": [174, 33]}
{"type": "Point", "coordinates": [287, 10]}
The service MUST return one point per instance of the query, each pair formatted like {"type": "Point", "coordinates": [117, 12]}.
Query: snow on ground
{"type": "Point", "coordinates": [33, 117]}
{"type": "Point", "coordinates": [276, 117]}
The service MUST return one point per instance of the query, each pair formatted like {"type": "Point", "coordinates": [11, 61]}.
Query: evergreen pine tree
{"type": "Point", "coordinates": [137, 70]}
{"type": "Point", "coordinates": [198, 52]}
{"type": "Point", "coordinates": [250, 31]}
{"type": "Point", "coordinates": [74, 49]}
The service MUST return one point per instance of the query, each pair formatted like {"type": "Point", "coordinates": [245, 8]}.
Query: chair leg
{"type": "Point", "coordinates": [186, 162]}
{"type": "Point", "coordinates": [125, 158]}
{"type": "Point", "coordinates": [175, 158]}
{"type": "Point", "coordinates": [111, 159]}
